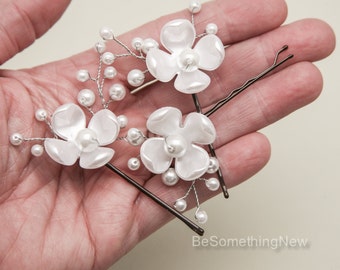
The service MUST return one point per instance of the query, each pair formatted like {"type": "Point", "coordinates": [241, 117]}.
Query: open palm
{"type": "Point", "coordinates": [56, 217]}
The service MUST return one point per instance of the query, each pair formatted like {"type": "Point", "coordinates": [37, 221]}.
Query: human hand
{"type": "Point", "coordinates": [64, 217]}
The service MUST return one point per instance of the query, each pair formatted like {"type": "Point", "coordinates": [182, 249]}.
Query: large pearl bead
{"type": "Point", "coordinates": [108, 58]}
{"type": "Point", "coordinates": [86, 97]}
{"type": "Point", "coordinates": [175, 145]}
{"type": "Point", "coordinates": [170, 178]}
{"type": "Point", "coordinates": [106, 33]}
{"type": "Point", "coordinates": [212, 184]}
{"type": "Point", "coordinates": [110, 72]}
{"type": "Point", "coordinates": [201, 216]}
{"type": "Point", "coordinates": [117, 92]}
{"type": "Point", "coordinates": [87, 140]}
{"type": "Point", "coordinates": [133, 164]}
{"type": "Point", "coordinates": [188, 60]}
{"type": "Point", "coordinates": [37, 150]}
{"type": "Point", "coordinates": [214, 165]}
{"type": "Point", "coordinates": [135, 137]}
{"type": "Point", "coordinates": [16, 139]}
{"type": "Point", "coordinates": [135, 77]}
{"type": "Point", "coordinates": [180, 205]}
{"type": "Point", "coordinates": [83, 75]}
{"type": "Point", "coordinates": [41, 115]}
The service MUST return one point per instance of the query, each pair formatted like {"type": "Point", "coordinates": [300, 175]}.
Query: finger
{"type": "Point", "coordinates": [240, 160]}
{"type": "Point", "coordinates": [21, 22]}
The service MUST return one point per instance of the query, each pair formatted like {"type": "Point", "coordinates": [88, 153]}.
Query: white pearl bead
{"type": "Point", "coordinates": [170, 178]}
{"type": "Point", "coordinates": [212, 184]}
{"type": "Point", "coordinates": [149, 44]}
{"type": "Point", "coordinates": [135, 137]}
{"type": "Point", "coordinates": [108, 58]}
{"type": "Point", "coordinates": [83, 75]}
{"type": "Point", "coordinates": [137, 43]}
{"type": "Point", "coordinates": [175, 145]}
{"type": "Point", "coordinates": [136, 77]}
{"type": "Point", "coordinates": [37, 150]}
{"type": "Point", "coordinates": [188, 60]}
{"type": "Point", "coordinates": [180, 205]}
{"type": "Point", "coordinates": [122, 120]}
{"type": "Point", "coordinates": [195, 6]}
{"type": "Point", "coordinates": [214, 165]}
{"type": "Point", "coordinates": [86, 97]}
{"type": "Point", "coordinates": [110, 72]}
{"type": "Point", "coordinates": [41, 115]}
{"type": "Point", "coordinates": [134, 164]}
{"type": "Point", "coordinates": [106, 33]}
{"type": "Point", "coordinates": [100, 47]}
{"type": "Point", "coordinates": [201, 216]}
{"type": "Point", "coordinates": [117, 92]}
{"type": "Point", "coordinates": [211, 28]}
{"type": "Point", "coordinates": [16, 139]}
{"type": "Point", "coordinates": [87, 140]}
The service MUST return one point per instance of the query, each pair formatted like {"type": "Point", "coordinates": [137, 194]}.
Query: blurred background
{"type": "Point", "coordinates": [296, 196]}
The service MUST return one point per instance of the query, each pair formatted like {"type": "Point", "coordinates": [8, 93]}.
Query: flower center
{"type": "Point", "coordinates": [188, 60]}
{"type": "Point", "coordinates": [175, 145]}
{"type": "Point", "coordinates": [87, 140]}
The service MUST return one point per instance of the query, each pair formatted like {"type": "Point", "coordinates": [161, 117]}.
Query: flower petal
{"type": "Point", "coordinates": [68, 120]}
{"type": "Point", "coordinates": [178, 35]}
{"type": "Point", "coordinates": [161, 65]}
{"type": "Point", "coordinates": [164, 121]}
{"type": "Point", "coordinates": [193, 164]}
{"type": "Point", "coordinates": [62, 152]}
{"type": "Point", "coordinates": [154, 157]}
{"type": "Point", "coordinates": [211, 51]}
{"type": "Point", "coordinates": [105, 124]}
{"type": "Point", "coordinates": [199, 129]}
{"type": "Point", "coordinates": [192, 82]}
{"type": "Point", "coordinates": [96, 158]}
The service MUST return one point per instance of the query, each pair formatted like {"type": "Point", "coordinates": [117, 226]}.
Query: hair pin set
{"type": "Point", "coordinates": [176, 148]}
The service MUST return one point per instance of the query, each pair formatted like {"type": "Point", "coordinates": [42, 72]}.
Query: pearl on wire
{"type": "Point", "coordinates": [212, 184]}
{"type": "Point", "coordinates": [180, 205]}
{"type": "Point", "coordinates": [211, 28]}
{"type": "Point", "coordinates": [16, 139]}
{"type": "Point", "coordinates": [135, 137]}
{"type": "Point", "coordinates": [83, 75]}
{"type": "Point", "coordinates": [137, 43]}
{"type": "Point", "coordinates": [122, 120]}
{"type": "Point", "coordinates": [37, 150]}
{"type": "Point", "coordinates": [41, 115]}
{"type": "Point", "coordinates": [136, 77]}
{"type": "Point", "coordinates": [106, 33]}
{"type": "Point", "coordinates": [149, 44]}
{"type": "Point", "coordinates": [86, 97]}
{"type": "Point", "coordinates": [100, 47]}
{"type": "Point", "coordinates": [108, 58]}
{"type": "Point", "coordinates": [195, 6]}
{"type": "Point", "coordinates": [201, 216]}
{"type": "Point", "coordinates": [117, 92]}
{"type": "Point", "coordinates": [110, 72]}
{"type": "Point", "coordinates": [170, 177]}
{"type": "Point", "coordinates": [214, 165]}
{"type": "Point", "coordinates": [133, 164]}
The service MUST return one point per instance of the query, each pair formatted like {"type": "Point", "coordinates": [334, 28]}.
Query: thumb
{"type": "Point", "coordinates": [22, 22]}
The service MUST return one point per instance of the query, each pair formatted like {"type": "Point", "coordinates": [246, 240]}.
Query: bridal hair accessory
{"type": "Point", "coordinates": [176, 148]}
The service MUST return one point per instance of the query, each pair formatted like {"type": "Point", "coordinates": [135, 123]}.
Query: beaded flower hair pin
{"type": "Point", "coordinates": [174, 148]}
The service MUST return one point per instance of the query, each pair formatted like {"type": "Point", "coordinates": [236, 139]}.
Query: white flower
{"type": "Point", "coordinates": [178, 37]}
{"type": "Point", "coordinates": [177, 142]}
{"type": "Point", "coordinates": [69, 123]}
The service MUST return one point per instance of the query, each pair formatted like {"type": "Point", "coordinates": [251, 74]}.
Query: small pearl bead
{"type": "Point", "coordinates": [117, 92]}
{"type": "Point", "coordinates": [16, 139]}
{"type": "Point", "coordinates": [135, 137]}
{"type": "Point", "coordinates": [41, 115]}
{"type": "Point", "coordinates": [110, 72]}
{"type": "Point", "coordinates": [149, 44]}
{"type": "Point", "coordinates": [134, 164]}
{"type": "Point", "coordinates": [86, 140]}
{"type": "Point", "coordinates": [175, 145]}
{"type": "Point", "coordinates": [108, 58]}
{"type": "Point", "coordinates": [136, 77]}
{"type": "Point", "coordinates": [37, 150]}
{"type": "Point", "coordinates": [137, 43]}
{"type": "Point", "coordinates": [214, 165]}
{"type": "Point", "coordinates": [195, 6]}
{"type": "Point", "coordinates": [86, 97]}
{"type": "Point", "coordinates": [201, 216]}
{"type": "Point", "coordinates": [100, 47]}
{"type": "Point", "coordinates": [181, 205]}
{"type": "Point", "coordinates": [106, 33]}
{"type": "Point", "coordinates": [83, 75]}
{"type": "Point", "coordinates": [212, 184]}
{"type": "Point", "coordinates": [170, 178]}
{"type": "Point", "coordinates": [122, 120]}
{"type": "Point", "coordinates": [211, 28]}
